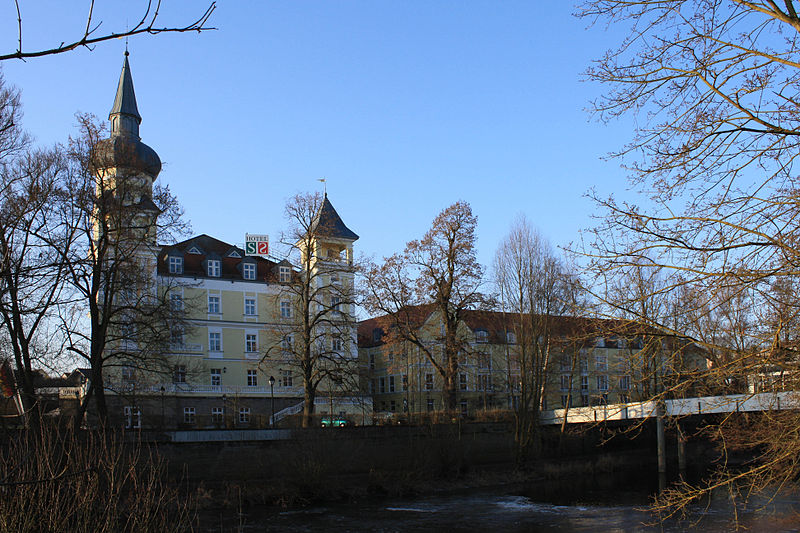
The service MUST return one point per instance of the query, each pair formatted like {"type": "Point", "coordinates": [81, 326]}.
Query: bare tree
{"type": "Point", "coordinates": [90, 35]}
{"type": "Point", "coordinates": [535, 289]}
{"type": "Point", "coordinates": [315, 335]}
{"type": "Point", "coordinates": [715, 85]}
{"type": "Point", "coordinates": [112, 268]}
{"type": "Point", "coordinates": [33, 238]}
{"type": "Point", "coordinates": [441, 270]}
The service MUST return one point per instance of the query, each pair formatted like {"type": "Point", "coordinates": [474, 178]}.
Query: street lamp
{"type": "Point", "coordinates": [162, 407]}
{"type": "Point", "coordinates": [272, 394]}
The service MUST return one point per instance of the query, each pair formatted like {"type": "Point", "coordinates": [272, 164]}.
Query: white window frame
{"type": "Point", "coordinates": [284, 274]}
{"type": "Point", "coordinates": [216, 377]}
{"type": "Point", "coordinates": [214, 304]}
{"type": "Point", "coordinates": [214, 268]}
{"type": "Point", "coordinates": [286, 309]}
{"type": "Point", "coordinates": [217, 415]}
{"type": "Point", "coordinates": [176, 301]}
{"type": "Point", "coordinates": [179, 374]}
{"type": "Point", "coordinates": [336, 344]}
{"type": "Point", "coordinates": [566, 381]}
{"type": "Point", "coordinates": [189, 415]}
{"type": "Point", "coordinates": [244, 415]}
{"type": "Point", "coordinates": [601, 363]}
{"type": "Point", "coordinates": [250, 310]}
{"type": "Point", "coordinates": [252, 377]}
{"type": "Point", "coordinates": [428, 381]}
{"type": "Point", "coordinates": [249, 271]}
{"type": "Point", "coordinates": [286, 378]}
{"type": "Point", "coordinates": [251, 342]}
{"type": "Point", "coordinates": [602, 382]}
{"type": "Point", "coordinates": [133, 417]}
{"type": "Point", "coordinates": [625, 383]}
{"type": "Point", "coordinates": [391, 384]}
{"type": "Point", "coordinates": [215, 341]}
{"type": "Point", "coordinates": [482, 336]}
{"type": "Point", "coordinates": [175, 264]}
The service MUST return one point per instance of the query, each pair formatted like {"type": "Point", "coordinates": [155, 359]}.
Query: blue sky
{"type": "Point", "coordinates": [404, 107]}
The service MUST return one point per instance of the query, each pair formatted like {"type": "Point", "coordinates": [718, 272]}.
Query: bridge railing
{"type": "Point", "coordinates": [765, 401]}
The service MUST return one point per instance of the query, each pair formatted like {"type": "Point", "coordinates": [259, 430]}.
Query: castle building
{"type": "Point", "coordinates": [232, 354]}
{"type": "Point", "coordinates": [586, 362]}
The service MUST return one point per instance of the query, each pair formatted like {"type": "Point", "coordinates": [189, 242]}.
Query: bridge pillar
{"type": "Point", "coordinates": [662, 452]}
{"type": "Point", "coordinates": [681, 449]}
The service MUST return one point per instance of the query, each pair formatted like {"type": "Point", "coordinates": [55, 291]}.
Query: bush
{"type": "Point", "coordinates": [54, 480]}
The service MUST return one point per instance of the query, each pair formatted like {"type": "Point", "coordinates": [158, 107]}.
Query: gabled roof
{"type": "Point", "coordinates": [212, 248]}
{"type": "Point", "coordinates": [328, 223]}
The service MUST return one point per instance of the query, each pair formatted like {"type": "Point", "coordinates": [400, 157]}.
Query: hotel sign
{"type": "Point", "coordinates": [256, 244]}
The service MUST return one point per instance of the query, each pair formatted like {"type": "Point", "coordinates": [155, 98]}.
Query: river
{"type": "Point", "coordinates": [590, 505]}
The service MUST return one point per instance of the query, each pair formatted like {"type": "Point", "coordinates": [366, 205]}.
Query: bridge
{"type": "Point", "coordinates": [705, 405]}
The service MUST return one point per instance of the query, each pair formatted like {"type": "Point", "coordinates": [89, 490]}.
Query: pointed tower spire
{"type": "Point", "coordinates": [124, 115]}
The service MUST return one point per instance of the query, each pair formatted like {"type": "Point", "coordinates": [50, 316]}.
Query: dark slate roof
{"type": "Point", "coordinates": [574, 328]}
{"type": "Point", "coordinates": [328, 223]}
{"type": "Point", "coordinates": [125, 101]}
{"type": "Point", "coordinates": [194, 265]}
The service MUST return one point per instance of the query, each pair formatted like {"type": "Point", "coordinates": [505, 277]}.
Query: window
{"type": "Point", "coordinates": [175, 265]}
{"type": "Point", "coordinates": [584, 383]}
{"type": "Point", "coordinates": [179, 374]}
{"type": "Point", "coordinates": [216, 415]}
{"type": "Point", "coordinates": [485, 382]}
{"type": "Point", "coordinates": [584, 399]}
{"type": "Point", "coordinates": [250, 343]}
{"type": "Point", "coordinates": [405, 382]}
{"type": "Point", "coordinates": [482, 336]}
{"type": "Point", "coordinates": [335, 279]}
{"type": "Point", "coordinates": [565, 382]}
{"type": "Point", "coordinates": [213, 304]}
{"type": "Point", "coordinates": [133, 417]}
{"type": "Point", "coordinates": [244, 415]}
{"type": "Point", "coordinates": [484, 361]}
{"type": "Point", "coordinates": [176, 336]}
{"type": "Point", "coordinates": [391, 384]}
{"type": "Point", "coordinates": [287, 342]}
{"type": "Point", "coordinates": [336, 303]}
{"type": "Point", "coordinates": [284, 274]}
{"type": "Point", "coordinates": [188, 415]}
{"type": "Point", "coordinates": [216, 377]}
{"type": "Point", "coordinates": [602, 382]}
{"type": "Point", "coordinates": [377, 335]}
{"type": "Point", "coordinates": [372, 387]}
{"type": "Point", "coordinates": [382, 385]}
{"type": "Point", "coordinates": [336, 344]}
{"type": "Point", "coordinates": [176, 302]}
{"type": "Point", "coordinates": [213, 268]}
{"type": "Point", "coordinates": [249, 270]}
{"type": "Point", "coordinates": [516, 382]}
{"type": "Point", "coordinates": [429, 404]}
{"type": "Point", "coordinates": [127, 373]}
{"type": "Point", "coordinates": [565, 364]}
{"type": "Point", "coordinates": [252, 378]}
{"type": "Point", "coordinates": [625, 382]}
{"type": "Point", "coordinates": [393, 405]}
{"type": "Point", "coordinates": [372, 361]}
{"type": "Point", "coordinates": [250, 306]}
{"type": "Point", "coordinates": [511, 337]}
{"type": "Point", "coordinates": [462, 382]}
{"type": "Point", "coordinates": [612, 342]}
{"type": "Point", "coordinates": [286, 309]}
{"type": "Point", "coordinates": [601, 363]}
{"type": "Point", "coordinates": [214, 341]}
{"type": "Point", "coordinates": [428, 381]}
{"type": "Point", "coordinates": [584, 365]}
{"type": "Point", "coordinates": [464, 411]}
{"type": "Point", "coordinates": [286, 378]}
{"type": "Point", "coordinates": [566, 400]}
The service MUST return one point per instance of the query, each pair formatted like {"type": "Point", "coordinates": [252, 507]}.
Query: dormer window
{"type": "Point", "coordinates": [482, 336]}
{"type": "Point", "coordinates": [284, 274]}
{"type": "Point", "coordinates": [175, 264]}
{"type": "Point", "coordinates": [377, 334]}
{"type": "Point", "coordinates": [511, 337]}
{"type": "Point", "coordinates": [213, 268]}
{"type": "Point", "coordinates": [249, 270]}
{"type": "Point", "coordinates": [195, 250]}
